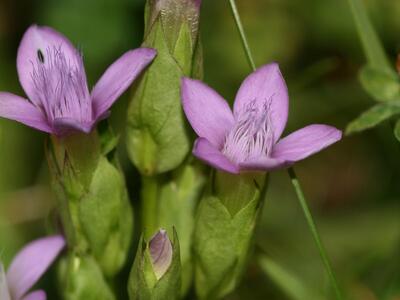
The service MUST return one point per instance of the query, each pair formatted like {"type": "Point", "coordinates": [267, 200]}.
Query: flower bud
{"type": "Point", "coordinates": [93, 200]}
{"type": "Point", "coordinates": [156, 273]}
{"type": "Point", "coordinates": [82, 279]}
{"type": "Point", "coordinates": [160, 249]}
{"type": "Point", "coordinates": [170, 202]}
{"type": "Point", "coordinates": [225, 223]}
{"type": "Point", "coordinates": [157, 137]}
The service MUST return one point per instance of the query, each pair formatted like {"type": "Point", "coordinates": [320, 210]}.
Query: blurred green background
{"type": "Point", "coordinates": [353, 187]}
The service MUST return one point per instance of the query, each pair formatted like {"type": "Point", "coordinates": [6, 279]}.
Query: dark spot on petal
{"type": "Point", "coordinates": [40, 56]}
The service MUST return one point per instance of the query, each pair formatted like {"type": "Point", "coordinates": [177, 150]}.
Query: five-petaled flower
{"type": "Point", "coordinates": [52, 74]}
{"type": "Point", "coordinates": [249, 138]}
{"type": "Point", "coordinates": [27, 267]}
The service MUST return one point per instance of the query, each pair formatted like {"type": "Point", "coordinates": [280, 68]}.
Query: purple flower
{"type": "Point", "coordinates": [249, 138]}
{"type": "Point", "coordinates": [160, 249]}
{"type": "Point", "coordinates": [52, 73]}
{"type": "Point", "coordinates": [27, 267]}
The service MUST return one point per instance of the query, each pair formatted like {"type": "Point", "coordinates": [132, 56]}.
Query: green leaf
{"type": "Point", "coordinates": [373, 48]}
{"type": "Point", "coordinates": [288, 282]}
{"type": "Point", "coordinates": [381, 85]}
{"type": "Point", "coordinates": [373, 117]}
{"type": "Point", "coordinates": [397, 130]}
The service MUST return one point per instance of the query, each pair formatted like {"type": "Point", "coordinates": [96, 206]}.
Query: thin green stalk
{"type": "Point", "coordinates": [314, 231]}
{"type": "Point", "coordinates": [242, 34]}
{"type": "Point", "coordinates": [373, 48]}
{"type": "Point", "coordinates": [292, 174]}
{"type": "Point", "coordinates": [149, 204]}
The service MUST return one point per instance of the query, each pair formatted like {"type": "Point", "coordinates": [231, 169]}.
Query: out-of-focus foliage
{"type": "Point", "coordinates": [354, 186]}
{"type": "Point", "coordinates": [378, 77]}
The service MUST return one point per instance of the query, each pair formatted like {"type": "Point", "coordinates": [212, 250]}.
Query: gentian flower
{"type": "Point", "coordinates": [27, 267]}
{"type": "Point", "coordinates": [249, 138]}
{"type": "Point", "coordinates": [52, 74]}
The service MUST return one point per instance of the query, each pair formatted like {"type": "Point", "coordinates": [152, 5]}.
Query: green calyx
{"type": "Point", "coordinates": [82, 279]}
{"type": "Point", "coordinates": [225, 226]}
{"type": "Point", "coordinates": [158, 139]}
{"type": "Point", "coordinates": [92, 198]}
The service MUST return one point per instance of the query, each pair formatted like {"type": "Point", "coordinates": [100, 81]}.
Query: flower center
{"type": "Point", "coordinates": [61, 86]}
{"type": "Point", "coordinates": [251, 135]}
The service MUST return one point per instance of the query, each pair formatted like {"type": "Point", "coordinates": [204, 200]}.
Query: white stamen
{"type": "Point", "coordinates": [252, 134]}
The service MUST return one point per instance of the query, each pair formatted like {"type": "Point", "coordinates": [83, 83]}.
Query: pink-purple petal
{"type": "Point", "coordinates": [207, 152]}
{"type": "Point", "coordinates": [207, 112]}
{"type": "Point", "coordinates": [266, 85]}
{"type": "Point", "coordinates": [36, 295]}
{"type": "Point", "coordinates": [118, 77]}
{"type": "Point", "coordinates": [21, 110]}
{"type": "Point", "coordinates": [263, 164]}
{"type": "Point", "coordinates": [31, 263]}
{"type": "Point", "coordinates": [161, 253]}
{"type": "Point", "coordinates": [44, 39]}
{"type": "Point", "coordinates": [305, 142]}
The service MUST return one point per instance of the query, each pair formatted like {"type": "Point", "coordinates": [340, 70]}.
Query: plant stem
{"type": "Point", "coordinates": [242, 35]}
{"type": "Point", "coordinates": [291, 172]}
{"type": "Point", "coordinates": [314, 231]}
{"type": "Point", "coordinates": [149, 196]}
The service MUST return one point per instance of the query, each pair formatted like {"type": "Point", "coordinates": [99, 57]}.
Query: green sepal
{"type": "Point", "coordinates": [77, 154]}
{"type": "Point", "coordinates": [397, 130]}
{"type": "Point", "coordinates": [235, 191]}
{"type": "Point", "coordinates": [380, 84]}
{"type": "Point", "coordinates": [157, 138]}
{"type": "Point", "coordinates": [108, 139]}
{"type": "Point", "coordinates": [222, 244]}
{"type": "Point", "coordinates": [198, 66]}
{"type": "Point", "coordinates": [225, 224]}
{"type": "Point", "coordinates": [81, 278]}
{"type": "Point", "coordinates": [142, 283]}
{"type": "Point", "coordinates": [373, 116]}
{"type": "Point", "coordinates": [183, 51]}
{"type": "Point", "coordinates": [92, 199]}
{"type": "Point", "coordinates": [172, 14]}
{"type": "Point", "coordinates": [106, 217]}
